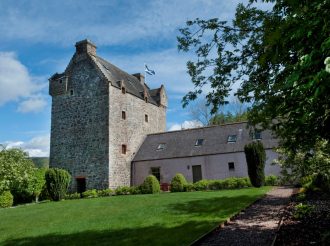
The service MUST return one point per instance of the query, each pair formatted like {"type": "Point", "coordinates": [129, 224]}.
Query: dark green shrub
{"type": "Point", "coordinates": [271, 180]}
{"type": "Point", "coordinates": [201, 185]}
{"type": "Point", "coordinates": [135, 190]}
{"type": "Point", "coordinates": [123, 190]}
{"type": "Point", "coordinates": [150, 185]}
{"type": "Point", "coordinates": [57, 181]}
{"type": "Point", "coordinates": [6, 199]}
{"type": "Point", "coordinates": [322, 181]}
{"type": "Point", "coordinates": [178, 183]}
{"type": "Point", "coordinates": [89, 194]}
{"type": "Point", "coordinates": [106, 192]}
{"type": "Point", "coordinates": [255, 158]}
{"type": "Point", "coordinates": [72, 196]}
{"type": "Point", "coordinates": [189, 187]}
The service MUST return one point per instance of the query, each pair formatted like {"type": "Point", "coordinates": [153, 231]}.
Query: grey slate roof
{"type": "Point", "coordinates": [182, 143]}
{"type": "Point", "coordinates": [115, 75]}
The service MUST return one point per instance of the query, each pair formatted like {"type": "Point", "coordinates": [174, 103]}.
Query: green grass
{"type": "Point", "coordinates": [161, 219]}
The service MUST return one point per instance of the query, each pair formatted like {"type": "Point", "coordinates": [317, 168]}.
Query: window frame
{"type": "Point", "coordinates": [199, 142]}
{"type": "Point", "coordinates": [123, 115]}
{"type": "Point", "coordinates": [124, 149]}
{"type": "Point", "coordinates": [146, 118]}
{"type": "Point", "coordinates": [231, 166]}
{"type": "Point", "coordinates": [123, 90]}
{"type": "Point", "coordinates": [230, 140]}
{"type": "Point", "coordinates": [157, 173]}
{"type": "Point", "coordinates": [161, 146]}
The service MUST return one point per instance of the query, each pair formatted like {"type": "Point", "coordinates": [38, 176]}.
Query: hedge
{"type": "Point", "coordinates": [6, 199]}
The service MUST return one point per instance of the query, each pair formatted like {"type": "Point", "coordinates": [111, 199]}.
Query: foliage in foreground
{"type": "Point", "coordinates": [178, 183]}
{"type": "Point", "coordinates": [255, 158]}
{"type": "Point", "coordinates": [6, 199]}
{"type": "Point", "coordinates": [57, 181]}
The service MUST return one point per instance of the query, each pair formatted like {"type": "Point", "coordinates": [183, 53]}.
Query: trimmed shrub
{"type": "Point", "coordinates": [123, 190]}
{"type": "Point", "coordinates": [201, 185]}
{"type": "Point", "coordinates": [189, 187]}
{"type": "Point", "coordinates": [255, 158]}
{"type": "Point", "coordinates": [135, 190]}
{"type": "Point", "coordinates": [178, 183]}
{"type": "Point", "coordinates": [72, 196]}
{"type": "Point", "coordinates": [89, 194]}
{"type": "Point", "coordinates": [106, 192]}
{"type": "Point", "coordinates": [271, 180]}
{"type": "Point", "coordinates": [57, 181]}
{"type": "Point", "coordinates": [150, 185]}
{"type": "Point", "coordinates": [6, 199]}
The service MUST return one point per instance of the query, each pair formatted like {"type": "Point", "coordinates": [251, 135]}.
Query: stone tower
{"type": "Point", "coordinates": [100, 116]}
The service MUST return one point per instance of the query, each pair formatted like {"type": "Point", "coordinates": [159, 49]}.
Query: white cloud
{"type": "Point", "coordinates": [187, 124]}
{"type": "Point", "coordinates": [16, 84]}
{"type": "Point", "coordinates": [33, 104]}
{"type": "Point", "coordinates": [36, 147]}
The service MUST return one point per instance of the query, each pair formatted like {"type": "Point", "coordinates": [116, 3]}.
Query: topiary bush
{"type": "Point", "coordinates": [6, 199]}
{"type": "Point", "coordinates": [255, 158]}
{"type": "Point", "coordinates": [150, 185]}
{"type": "Point", "coordinates": [89, 194]}
{"type": "Point", "coordinates": [178, 183]}
{"type": "Point", "coordinates": [57, 182]}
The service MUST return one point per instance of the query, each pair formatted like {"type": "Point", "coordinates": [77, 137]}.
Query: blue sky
{"type": "Point", "coordinates": [38, 37]}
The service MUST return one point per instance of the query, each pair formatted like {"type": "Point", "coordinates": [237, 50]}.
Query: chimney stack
{"type": "Point", "coordinates": [85, 46]}
{"type": "Point", "coordinates": [140, 77]}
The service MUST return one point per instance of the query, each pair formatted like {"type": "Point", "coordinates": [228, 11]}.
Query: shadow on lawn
{"type": "Point", "coordinates": [154, 235]}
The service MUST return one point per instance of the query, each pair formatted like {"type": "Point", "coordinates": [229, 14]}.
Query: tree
{"type": "Point", "coordinates": [37, 182]}
{"type": "Point", "coordinates": [280, 56]}
{"type": "Point", "coordinates": [57, 181]}
{"type": "Point", "coordinates": [255, 158]}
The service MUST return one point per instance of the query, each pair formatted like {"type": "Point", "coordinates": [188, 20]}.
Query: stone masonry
{"type": "Point", "coordinates": [100, 117]}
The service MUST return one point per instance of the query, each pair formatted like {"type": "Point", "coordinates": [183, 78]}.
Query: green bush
{"type": "Point", "coordinates": [178, 183]}
{"type": "Point", "coordinates": [72, 196]}
{"type": "Point", "coordinates": [135, 190]}
{"type": "Point", "coordinates": [189, 187]}
{"type": "Point", "coordinates": [123, 190]}
{"type": "Point", "coordinates": [302, 210]}
{"type": "Point", "coordinates": [57, 181]}
{"type": "Point", "coordinates": [271, 180]}
{"type": "Point", "coordinates": [89, 194]}
{"type": "Point", "coordinates": [150, 185]}
{"type": "Point", "coordinates": [322, 181]}
{"type": "Point", "coordinates": [6, 199]}
{"type": "Point", "coordinates": [255, 158]}
{"type": "Point", "coordinates": [202, 185]}
{"type": "Point", "coordinates": [105, 192]}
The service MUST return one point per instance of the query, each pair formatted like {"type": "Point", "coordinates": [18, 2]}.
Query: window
{"type": "Point", "coordinates": [257, 135]}
{"type": "Point", "coordinates": [71, 92]}
{"type": "Point", "coordinates": [123, 149]}
{"type": "Point", "coordinates": [146, 118]}
{"type": "Point", "coordinates": [123, 115]}
{"type": "Point", "coordinates": [60, 81]}
{"type": "Point", "coordinates": [156, 172]}
{"type": "Point", "coordinates": [231, 166]}
{"type": "Point", "coordinates": [199, 142]}
{"type": "Point", "coordinates": [123, 90]}
{"type": "Point", "coordinates": [146, 99]}
{"type": "Point", "coordinates": [232, 139]}
{"type": "Point", "coordinates": [161, 146]}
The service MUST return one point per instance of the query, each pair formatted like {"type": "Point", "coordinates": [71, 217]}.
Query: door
{"type": "Point", "coordinates": [197, 173]}
{"type": "Point", "coordinates": [81, 185]}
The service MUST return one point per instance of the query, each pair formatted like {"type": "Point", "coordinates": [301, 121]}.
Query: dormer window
{"type": "Point", "coordinates": [161, 146]}
{"type": "Point", "coordinates": [257, 135]}
{"type": "Point", "coordinates": [232, 139]}
{"type": "Point", "coordinates": [123, 90]}
{"type": "Point", "coordinates": [199, 142]}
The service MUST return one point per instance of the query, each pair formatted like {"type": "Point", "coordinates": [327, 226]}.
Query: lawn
{"type": "Point", "coordinates": [161, 219]}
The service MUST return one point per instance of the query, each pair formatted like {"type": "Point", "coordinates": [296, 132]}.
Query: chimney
{"type": "Point", "coordinates": [140, 77]}
{"type": "Point", "coordinates": [85, 46]}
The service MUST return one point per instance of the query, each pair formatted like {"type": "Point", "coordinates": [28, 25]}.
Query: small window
{"type": "Point", "coordinates": [123, 90]}
{"type": "Point", "coordinates": [231, 166]}
{"type": "Point", "coordinates": [146, 118]}
{"type": "Point", "coordinates": [199, 142]}
{"type": "Point", "coordinates": [71, 92]}
{"type": "Point", "coordinates": [123, 149]}
{"type": "Point", "coordinates": [232, 139]}
{"type": "Point", "coordinates": [123, 115]}
{"type": "Point", "coordinates": [161, 146]}
{"type": "Point", "coordinates": [146, 99]}
{"type": "Point", "coordinates": [60, 81]}
{"type": "Point", "coordinates": [156, 172]}
{"type": "Point", "coordinates": [257, 135]}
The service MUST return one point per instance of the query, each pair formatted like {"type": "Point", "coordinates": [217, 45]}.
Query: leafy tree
{"type": "Point", "coordinates": [16, 172]}
{"type": "Point", "coordinates": [37, 182]}
{"type": "Point", "coordinates": [57, 181]}
{"type": "Point", "coordinates": [280, 56]}
{"type": "Point", "coordinates": [255, 158]}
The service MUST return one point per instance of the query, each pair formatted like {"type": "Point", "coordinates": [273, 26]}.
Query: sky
{"type": "Point", "coordinates": [37, 40]}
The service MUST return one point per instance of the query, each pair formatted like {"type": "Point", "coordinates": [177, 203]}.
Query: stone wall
{"type": "Point", "coordinates": [130, 131]}
{"type": "Point", "coordinates": [80, 125]}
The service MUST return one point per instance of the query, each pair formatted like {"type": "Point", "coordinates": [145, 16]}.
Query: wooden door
{"type": "Point", "coordinates": [197, 173]}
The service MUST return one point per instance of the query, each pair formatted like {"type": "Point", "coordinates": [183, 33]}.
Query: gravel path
{"type": "Point", "coordinates": [257, 225]}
